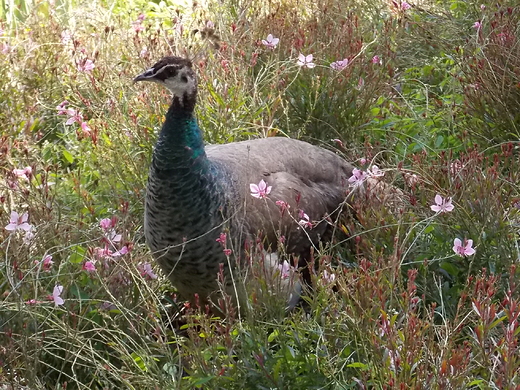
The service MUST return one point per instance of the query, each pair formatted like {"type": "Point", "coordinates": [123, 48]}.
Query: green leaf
{"type": "Point", "coordinates": [357, 365]}
{"type": "Point", "coordinates": [77, 254]}
{"type": "Point", "coordinates": [139, 361]}
{"type": "Point", "coordinates": [273, 336]}
{"type": "Point", "coordinates": [68, 156]}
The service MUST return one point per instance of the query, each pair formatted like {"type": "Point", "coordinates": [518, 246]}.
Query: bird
{"type": "Point", "coordinates": [201, 200]}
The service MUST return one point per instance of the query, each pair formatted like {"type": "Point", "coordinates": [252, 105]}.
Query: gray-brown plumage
{"type": "Point", "coordinates": [195, 193]}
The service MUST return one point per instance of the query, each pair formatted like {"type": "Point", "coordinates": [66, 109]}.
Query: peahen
{"type": "Point", "coordinates": [195, 193]}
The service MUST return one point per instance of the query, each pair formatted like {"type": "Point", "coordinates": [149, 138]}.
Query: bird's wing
{"type": "Point", "coordinates": [309, 179]}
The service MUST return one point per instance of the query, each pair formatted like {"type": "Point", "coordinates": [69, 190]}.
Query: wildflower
{"type": "Point", "coordinates": [339, 142]}
{"type": "Point", "coordinates": [363, 160]}
{"type": "Point", "coordinates": [138, 24]}
{"type": "Point", "coordinates": [16, 222]}
{"type": "Point", "coordinates": [222, 238]}
{"type": "Point", "coordinates": [304, 220]}
{"type": "Point", "coordinates": [374, 171]}
{"type": "Point", "coordinates": [405, 6]}
{"type": "Point", "coordinates": [227, 252]}
{"type": "Point", "coordinates": [31, 302]}
{"type": "Point", "coordinates": [74, 116]}
{"type": "Point", "coordinates": [24, 173]}
{"type": "Point", "coordinates": [146, 271]}
{"type": "Point", "coordinates": [340, 64]}
{"type": "Point", "coordinates": [285, 269]}
{"type": "Point", "coordinates": [62, 108]}
{"type": "Point", "coordinates": [328, 277]}
{"type": "Point", "coordinates": [442, 205]}
{"type": "Point", "coordinates": [357, 178]}
{"type": "Point", "coordinates": [261, 190]}
{"type": "Point", "coordinates": [360, 84]}
{"type": "Point", "coordinates": [47, 263]}
{"type": "Point", "coordinates": [56, 295]}
{"type": "Point", "coordinates": [411, 178]}
{"type": "Point", "coordinates": [66, 37]}
{"type": "Point", "coordinates": [463, 250]}
{"type": "Point", "coordinates": [89, 266]}
{"type": "Point", "coordinates": [306, 61]}
{"type": "Point", "coordinates": [29, 235]}
{"type": "Point", "coordinates": [482, 7]}
{"type": "Point", "coordinates": [5, 48]}
{"type": "Point", "coordinates": [123, 251]}
{"type": "Point", "coordinates": [210, 25]}
{"type": "Point", "coordinates": [283, 206]}
{"type": "Point", "coordinates": [477, 25]}
{"type": "Point", "coordinates": [377, 60]}
{"type": "Point", "coordinates": [86, 66]}
{"type": "Point", "coordinates": [106, 223]}
{"type": "Point", "coordinates": [270, 42]}
{"type": "Point", "coordinates": [85, 128]}
{"type": "Point", "coordinates": [144, 52]}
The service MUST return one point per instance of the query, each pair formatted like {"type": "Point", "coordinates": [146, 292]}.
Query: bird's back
{"type": "Point", "coordinates": [309, 179]}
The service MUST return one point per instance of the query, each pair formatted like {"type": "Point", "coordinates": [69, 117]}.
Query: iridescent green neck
{"type": "Point", "coordinates": [180, 144]}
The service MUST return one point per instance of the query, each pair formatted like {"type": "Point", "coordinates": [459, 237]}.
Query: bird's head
{"type": "Point", "coordinates": [175, 73]}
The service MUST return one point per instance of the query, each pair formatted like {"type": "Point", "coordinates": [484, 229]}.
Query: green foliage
{"type": "Point", "coordinates": [426, 96]}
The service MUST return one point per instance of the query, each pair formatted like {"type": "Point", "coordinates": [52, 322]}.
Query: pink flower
{"type": "Point", "coordinates": [227, 252]}
{"type": "Point", "coordinates": [482, 7]}
{"type": "Point", "coordinates": [285, 269]}
{"type": "Point", "coordinates": [138, 25]}
{"type": "Point", "coordinates": [47, 263]}
{"type": "Point", "coordinates": [377, 60]}
{"type": "Point", "coordinates": [85, 128]}
{"type": "Point", "coordinates": [283, 206]}
{"type": "Point", "coordinates": [357, 178]}
{"type": "Point", "coordinates": [340, 64]}
{"type": "Point", "coordinates": [89, 266]}
{"type": "Point", "coordinates": [16, 222]}
{"type": "Point", "coordinates": [31, 302]}
{"type": "Point", "coordinates": [29, 235]}
{"type": "Point", "coordinates": [5, 48]}
{"type": "Point", "coordinates": [222, 238]}
{"type": "Point", "coordinates": [62, 108]}
{"type": "Point", "coordinates": [86, 65]}
{"type": "Point", "coordinates": [304, 220]}
{"type": "Point", "coordinates": [405, 6]}
{"type": "Point", "coordinates": [143, 52]}
{"type": "Point", "coordinates": [363, 160]}
{"type": "Point", "coordinates": [461, 250]}
{"type": "Point", "coordinates": [56, 295]}
{"type": "Point", "coordinates": [74, 116]}
{"type": "Point", "coordinates": [261, 190]}
{"type": "Point", "coordinates": [374, 171]}
{"type": "Point", "coordinates": [106, 223]}
{"type": "Point", "coordinates": [328, 277]}
{"type": "Point", "coordinates": [24, 173]}
{"type": "Point", "coordinates": [66, 37]}
{"type": "Point", "coordinates": [147, 271]}
{"type": "Point", "coordinates": [361, 83]}
{"type": "Point", "coordinates": [270, 42]}
{"type": "Point", "coordinates": [442, 205]}
{"type": "Point", "coordinates": [477, 25]}
{"type": "Point", "coordinates": [102, 253]}
{"type": "Point", "coordinates": [123, 251]}
{"type": "Point", "coordinates": [306, 61]}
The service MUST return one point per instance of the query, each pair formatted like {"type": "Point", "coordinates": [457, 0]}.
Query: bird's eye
{"type": "Point", "coordinates": [184, 79]}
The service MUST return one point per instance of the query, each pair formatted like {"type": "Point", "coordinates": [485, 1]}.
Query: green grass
{"type": "Point", "coordinates": [438, 113]}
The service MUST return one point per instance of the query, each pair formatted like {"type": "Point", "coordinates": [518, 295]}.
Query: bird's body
{"type": "Point", "coordinates": [195, 193]}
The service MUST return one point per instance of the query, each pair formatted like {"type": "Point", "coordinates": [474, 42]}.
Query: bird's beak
{"type": "Point", "coordinates": [147, 75]}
